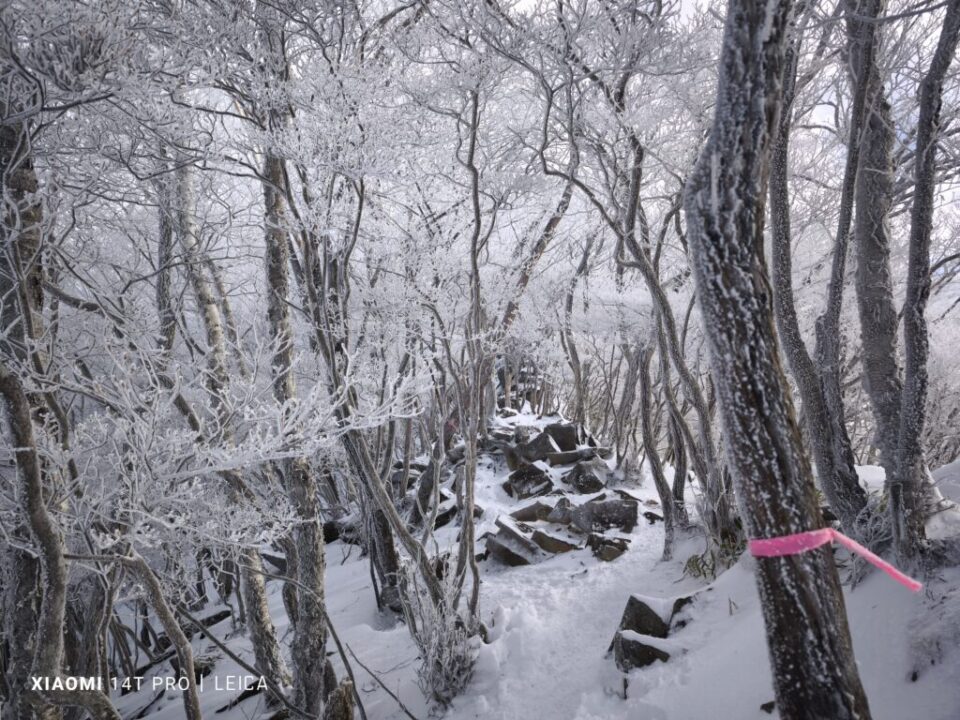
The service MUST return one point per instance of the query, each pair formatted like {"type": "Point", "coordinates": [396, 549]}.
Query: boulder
{"type": "Point", "coordinates": [538, 448]}
{"type": "Point", "coordinates": [526, 482]}
{"type": "Point", "coordinates": [588, 476]}
{"type": "Point", "coordinates": [531, 513]}
{"type": "Point", "coordinates": [445, 513]}
{"type": "Point", "coordinates": [566, 435]}
{"type": "Point", "coordinates": [630, 651]}
{"type": "Point", "coordinates": [605, 515]}
{"type": "Point", "coordinates": [640, 618]}
{"type": "Point", "coordinates": [551, 543]}
{"type": "Point", "coordinates": [511, 545]}
{"type": "Point", "coordinates": [506, 554]}
{"type": "Point", "coordinates": [570, 457]}
{"type": "Point", "coordinates": [605, 548]}
{"type": "Point", "coordinates": [561, 512]}
{"type": "Point", "coordinates": [652, 517]}
{"type": "Point", "coordinates": [456, 454]}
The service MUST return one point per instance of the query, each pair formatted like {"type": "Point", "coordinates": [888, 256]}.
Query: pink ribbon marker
{"type": "Point", "coordinates": [802, 542]}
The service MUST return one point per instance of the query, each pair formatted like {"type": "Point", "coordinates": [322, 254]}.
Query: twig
{"type": "Point", "coordinates": [381, 684]}
{"type": "Point", "coordinates": [276, 690]}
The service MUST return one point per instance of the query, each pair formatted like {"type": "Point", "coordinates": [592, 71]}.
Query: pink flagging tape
{"type": "Point", "coordinates": [802, 542]}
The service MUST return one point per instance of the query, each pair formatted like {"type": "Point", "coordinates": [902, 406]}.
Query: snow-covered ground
{"type": "Point", "coordinates": [551, 624]}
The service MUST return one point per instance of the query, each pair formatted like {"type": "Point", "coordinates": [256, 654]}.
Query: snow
{"type": "Point", "coordinates": [551, 624]}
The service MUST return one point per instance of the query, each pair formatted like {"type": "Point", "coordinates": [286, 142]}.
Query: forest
{"type": "Point", "coordinates": [571, 359]}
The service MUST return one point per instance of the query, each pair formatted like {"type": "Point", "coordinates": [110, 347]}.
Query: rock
{"type": "Point", "coordinates": [588, 476]}
{"type": "Point", "coordinates": [769, 707]}
{"type": "Point", "coordinates": [630, 651]}
{"type": "Point", "coordinates": [506, 412]}
{"type": "Point", "coordinates": [652, 517]}
{"type": "Point", "coordinates": [678, 606]}
{"type": "Point", "coordinates": [456, 454]}
{"type": "Point", "coordinates": [446, 513]}
{"type": "Point", "coordinates": [502, 434]}
{"type": "Point", "coordinates": [640, 618]}
{"type": "Point", "coordinates": [570, 457]}
{"type": "Point", "coordinates": [605, 452]}
{"type": "Point", "coordinates": [511, 545]}
{"type": "Point", "coordinates": [342, 530]}
{"type": "Point", "coordinates": [605, 515]}
{"type": "Point", "coordinates": [531, 513]}
{"type": "Point", "coordinates": [566, 435]}
{"type": "Point", "coordinates": [552, 543]}
{"type": "Point", "coordinates": [605, 548]}
{"type": "Point", "coordinates": [561, 512]}
{"type": "Point", "coordinates": [526, 482]}
{"type": "Point", "coordinates": [506, 554]}
{"type": "Point", "coordinates": [538, 448]}
{"type": "Point", "coordinates": [523, 433]}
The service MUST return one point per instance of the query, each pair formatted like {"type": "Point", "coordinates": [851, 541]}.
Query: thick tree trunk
{"type": "Point", "coordinates": [814, 672]}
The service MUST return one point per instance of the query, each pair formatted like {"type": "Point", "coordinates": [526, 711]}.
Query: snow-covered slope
{"type": "Point", "coordinates": [551, 624]}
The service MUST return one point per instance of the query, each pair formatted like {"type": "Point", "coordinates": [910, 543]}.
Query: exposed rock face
{"type": "Point", "coordinates": [566, 435]}
{"type": "Point", "coordinates": [527, 481]}
{"type": "Point", "coordinates": [588, 476]}
{"type": "Point", "coordinates": [605, 515]}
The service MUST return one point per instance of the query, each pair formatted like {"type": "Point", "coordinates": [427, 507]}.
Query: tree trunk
{"type": "Point", "coordinates": [262, 632]}
{"type": "Point", "coordinates": [652, 453]}
{"type": "Point", "coordinates": [911, 468]}
{"type": "Point", "coordinates": [814, 672]}
{"type": "Point", "coordinates": [874, 281]}
{"type": "Point", "coordinates": [828, 436]}
{"type": "Point", "coordinates": [310, 629]}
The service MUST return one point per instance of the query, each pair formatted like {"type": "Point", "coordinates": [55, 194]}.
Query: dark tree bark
{"type": "Point", "coordinates": [814, 672]}
{"type": "Point", "coordinates": [652, 453]}
{"type": "Point", "coordinates": [310, 629]}
{"type": "Point", "coordinates": [828, 435]}
{"type": "Point", "coordinates": [906, 490]}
